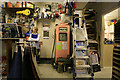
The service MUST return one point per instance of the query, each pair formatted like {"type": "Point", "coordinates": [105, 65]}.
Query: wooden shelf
{"type": "Point", "coordinates": [116, 72]}
{"type": "Point", "coordinates": [12, 38]}
{"type": "Point", "coordinates": [116, 58]}
{"type": "Point", "coordinates": [118, 54]}
{"type": "Point", "coordinates": [116, 62]}
{"type": "Point", "coordinates": [21, 42]}
{"type": "Point", "coordinates": [115, 76]}
{"type": "Point", "coordinates": [16, 9]}
{"type": "Point", "coordinates": [88, 21]}
{"type": "Point", "coordinates": [116, 68]}
{"type": "Point", "coordinates": [13, 10]}
{"type": "Point", "coordinates": [116, 49]}
{"type": "Point", "coordinates": [88, 24]}
{"type": "Point", "coordinates": [91, 34]}
{"type": "Point", "coordinates": [92, 41]}
{"type": "Point", "coordinates": [116, 44]}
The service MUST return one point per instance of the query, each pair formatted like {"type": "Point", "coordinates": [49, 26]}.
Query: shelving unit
{"type": "Point", "coordinates": [17, 7]}
{"type": "Point", "coordinates": [9, 21]}
{"type": "Point", "coordinates": [116, 53]}
{"type": "Point", "coordinates": [11, 29]}
{"type": "Point", "coordinates": [8, 40]}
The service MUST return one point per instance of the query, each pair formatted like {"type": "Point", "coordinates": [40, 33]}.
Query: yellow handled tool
{"type": "Point", "coordinates": [25, 12]}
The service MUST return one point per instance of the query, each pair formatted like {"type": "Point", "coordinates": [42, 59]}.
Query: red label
{"type": "Point", "coordinates": [41, 43]}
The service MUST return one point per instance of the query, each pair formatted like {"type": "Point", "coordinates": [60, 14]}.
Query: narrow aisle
{"type": "Point", "coordinates": [47, 71]}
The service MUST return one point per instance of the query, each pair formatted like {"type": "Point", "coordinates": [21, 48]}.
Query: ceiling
{"type": "Point", "coordinates": [112, 15]}
{"type": "Point", "coordinates": [81, 5]}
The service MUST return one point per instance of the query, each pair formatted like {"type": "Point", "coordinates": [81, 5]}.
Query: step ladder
{"type": "Point", "coordinates": [81, 52]}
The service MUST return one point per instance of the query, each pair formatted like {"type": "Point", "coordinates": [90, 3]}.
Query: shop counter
{"type": "Point", "coordinates": [35, 67]}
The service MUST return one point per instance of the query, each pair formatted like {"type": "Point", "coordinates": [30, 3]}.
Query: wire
{"type": "Point", "coordinates": [54, 44]}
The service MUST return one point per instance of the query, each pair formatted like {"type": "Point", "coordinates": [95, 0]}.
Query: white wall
{"type": "Point", "coordinates": [46, 48]}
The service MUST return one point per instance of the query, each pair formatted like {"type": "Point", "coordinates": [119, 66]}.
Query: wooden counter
{"type": "Point", "coordinates": [35, 68]}
{"type": "Point", "coordinates": [108, 55]}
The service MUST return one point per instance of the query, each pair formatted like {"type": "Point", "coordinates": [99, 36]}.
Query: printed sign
{"type": "Point", "coordinates": [45, 34]}
{"type": "Point", "coordinates": [59, 46]}
{"type": "Point", "coordinates": [64, 45]}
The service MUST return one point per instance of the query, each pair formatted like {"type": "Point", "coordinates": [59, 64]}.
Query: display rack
{"type": "Point", "coordinates": [82, 58]}
{"type": "Point", "coordinates": [10, 30]}
{"type": "Point", "coordinates": [11, 18]}
{"type": "Point", "coordinates": [116, 53]}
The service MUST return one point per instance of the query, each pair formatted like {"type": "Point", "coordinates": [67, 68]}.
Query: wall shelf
{"type": "Point", "coordinates": [13, 10]}
{"type": "Point", "coordinates": [16, 9]}
{"type": "Point", "coordinates": [115, 77]}
{"type": "Point", "coordinates": [116, 54]}
{"type": "Point", "coordinates": [12, 38]}
{"type": "Point", "coordinates": [116, 68]}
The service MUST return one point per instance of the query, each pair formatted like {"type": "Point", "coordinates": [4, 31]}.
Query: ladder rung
{"type": "Point", "coordinates": [81, 40]}
{"type": "Point", "coordinates": [81, 48]}
{"type": "Point", "coordinates": [83, 76]}
{"type": "Point", "coordinates": [82, 57]}
{"type": "Point", "coordinates": [82, 66]}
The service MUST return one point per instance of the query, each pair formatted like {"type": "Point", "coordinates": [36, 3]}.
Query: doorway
{"type": "Point", "coordinates": [108, 21]}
